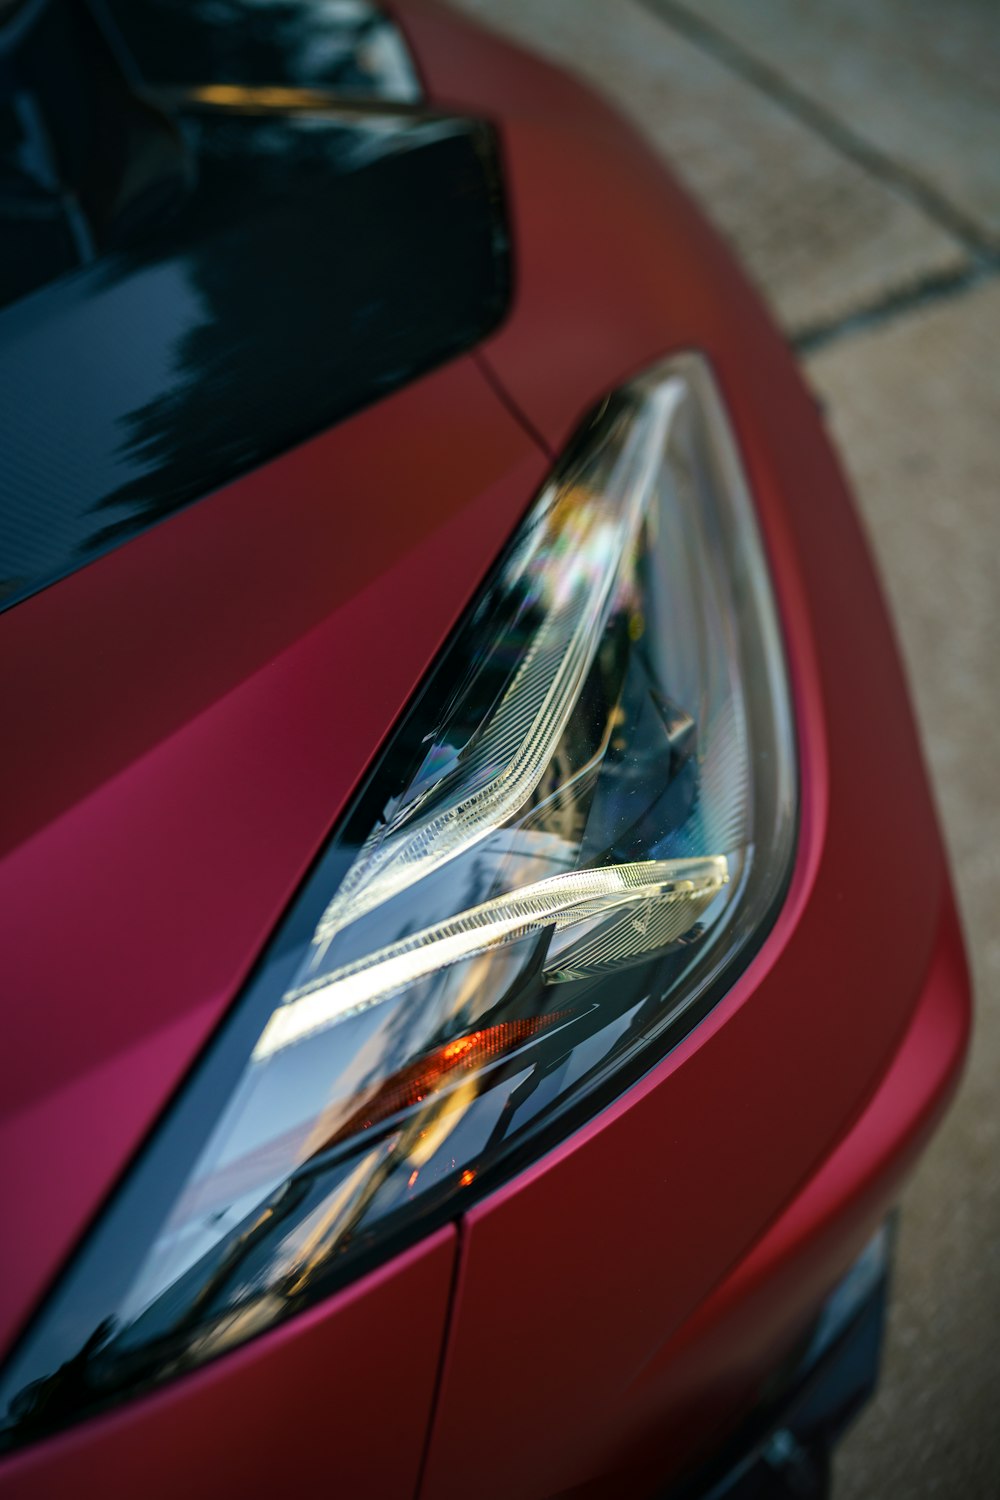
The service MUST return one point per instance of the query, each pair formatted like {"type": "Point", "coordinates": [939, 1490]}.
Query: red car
{"type": "Point", "coordinates": [479, 953]}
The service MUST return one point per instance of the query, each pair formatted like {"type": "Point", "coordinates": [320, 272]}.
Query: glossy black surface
{"type": "Point", "coordinates": [318, 264]}
{"type": "Point", "coordinates": [206, 258]}
{"type": "Point", "coordinates": [87, 164]}
{"type": "Point", "coordinates": [348, 47]}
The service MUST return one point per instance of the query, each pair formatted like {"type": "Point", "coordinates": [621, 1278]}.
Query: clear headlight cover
{"type": "Point", "coordinates": [579, 833]}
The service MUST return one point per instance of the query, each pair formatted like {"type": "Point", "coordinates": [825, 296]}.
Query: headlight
{"type": "Point", "coordinates": [577, 835]}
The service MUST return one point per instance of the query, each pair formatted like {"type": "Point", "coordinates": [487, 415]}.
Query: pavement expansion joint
{"type": "Point", "coordinates": [935, 287]}
{"type": "Point", "coordinates": [823, 122]}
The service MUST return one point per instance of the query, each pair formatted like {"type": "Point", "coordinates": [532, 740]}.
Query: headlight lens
{"type": "Point", "coordinates": [577, 835]}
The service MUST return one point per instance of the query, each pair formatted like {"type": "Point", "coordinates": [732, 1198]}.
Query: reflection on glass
{"type": "Point", "coordinates": [577, 828]}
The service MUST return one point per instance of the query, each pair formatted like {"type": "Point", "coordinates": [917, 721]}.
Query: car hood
{"type": "Point", "coordinates": [202, 643]}
{"type": "Point", "coordinates": [192, 712]}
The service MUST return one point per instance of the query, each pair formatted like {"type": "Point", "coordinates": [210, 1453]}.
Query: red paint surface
{"type": "Point", "coordinates": [197, 708]}
{"type": "Point", "coordinates": [684, 1390]}
{"type": "Point", "coordinates": [577, 1276]}
{"type": "Point", "coordinates": [193, 711]}
{"type": "Point", "coordinates": [718, 1364]}
{"type": "Point", "coordinates": [334, 1403]}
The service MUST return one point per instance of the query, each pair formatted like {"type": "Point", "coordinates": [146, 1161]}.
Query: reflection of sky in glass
{"type": "Point", "coordinates": [73, 354]}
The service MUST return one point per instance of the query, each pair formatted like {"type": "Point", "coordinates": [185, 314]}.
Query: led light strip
{"type": "Point", "coordinates": [532, 715]}
{"type": "Point", "coordinates": [654, 887]}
